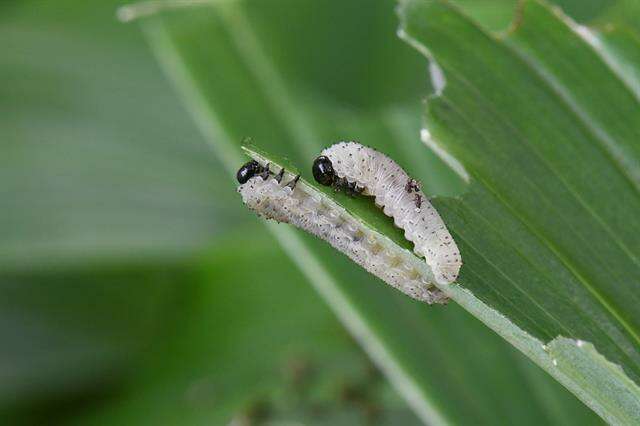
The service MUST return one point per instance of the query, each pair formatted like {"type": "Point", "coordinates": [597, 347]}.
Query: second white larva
{"type": "Point", "coordinates": [360, 169]}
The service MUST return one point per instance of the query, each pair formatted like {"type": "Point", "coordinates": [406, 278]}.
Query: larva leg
{"type": "Point", "coordinates": [412, 186]}
{"type": "Point", "coordinates": [265, 173]}
{"type": "Point", "coordinates": [418, 200]}
{"type": "Point", "coordinates": [351, 189]}
{"type": "Point", "coordinates": [293, 182]}
{"type": "Point", "coordinates": [279, 176]}
{"type": "Point", "coordinates": [339, 184]}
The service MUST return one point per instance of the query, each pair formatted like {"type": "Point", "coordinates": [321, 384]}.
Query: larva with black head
{"type": "Point", "coordinates": [280, 197]}
{"type": "Point", "coordinates": [350, 164]}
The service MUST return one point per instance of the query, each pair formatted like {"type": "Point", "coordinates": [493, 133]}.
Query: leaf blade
{"type": "Point", "coordinates": [554, 262]}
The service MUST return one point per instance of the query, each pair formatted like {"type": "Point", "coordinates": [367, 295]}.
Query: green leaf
{"type": "Point", "coordinates": [240, 74]}
{"type": "Point", "coordinates": [547, 131]}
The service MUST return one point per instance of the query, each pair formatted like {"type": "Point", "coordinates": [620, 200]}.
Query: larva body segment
{"type": "Point", "coordinates": [384, 179]}
{"type": "Point", "coordinates": [304, 208]}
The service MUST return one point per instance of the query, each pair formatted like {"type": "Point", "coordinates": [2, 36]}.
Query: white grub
{"type": "Point", "coordinates": [302, 208]}
{"type": "Point", "coordinates": [384, 179]}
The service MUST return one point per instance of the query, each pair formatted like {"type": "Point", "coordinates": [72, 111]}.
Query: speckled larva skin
{"type": "Point", "coordinates": [304, 208]}
{"type": "Point", "coordinates": [385, 180]}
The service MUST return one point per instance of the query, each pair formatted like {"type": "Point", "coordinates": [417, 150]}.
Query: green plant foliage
{"type": "Point", "coordinates": [295, 114]}
{"type": "Point", "coordinates": [550, 144]}
{"type": "Point", "coordinates": [105, 316]}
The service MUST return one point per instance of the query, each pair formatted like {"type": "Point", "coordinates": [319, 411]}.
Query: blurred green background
{"type": "Point", "coordinates": [135, 288]}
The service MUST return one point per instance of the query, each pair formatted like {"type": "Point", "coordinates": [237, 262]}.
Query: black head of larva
{"type": "Point", "coordinates": [323, 171]}
{"type": "Point", "coordinates": [248, 170]}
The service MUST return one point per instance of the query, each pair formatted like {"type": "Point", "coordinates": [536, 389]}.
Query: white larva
{"type": "Point", "coordinates": [379, 176]}
{"type": "Point", "coordinates": [304, 207]}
